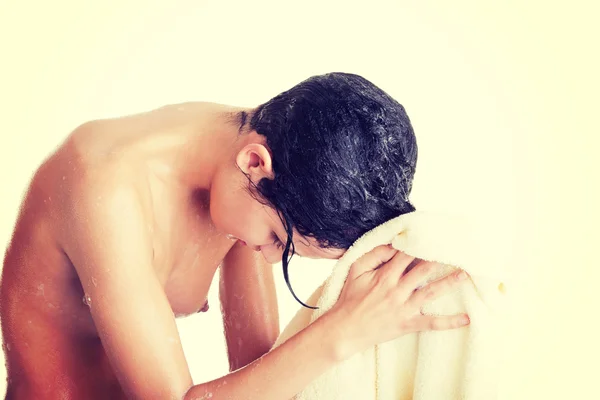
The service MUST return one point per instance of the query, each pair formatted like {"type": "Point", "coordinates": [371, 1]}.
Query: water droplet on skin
{"type": "Point", "coordinates": [8, 346]}
{"type": "Point", "coordinates": [94, 282]}
{"type": "Point", "coordinates": [87, 300]}
{"type": "Point", "coordinates": [64, 177]}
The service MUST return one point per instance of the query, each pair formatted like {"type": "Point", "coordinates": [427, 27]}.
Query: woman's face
{"type": "Point", "coordinates": [237, 213]}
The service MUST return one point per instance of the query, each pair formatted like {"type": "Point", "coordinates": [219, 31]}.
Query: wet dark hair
{"type": "Point", "coordinates": [344, 155]}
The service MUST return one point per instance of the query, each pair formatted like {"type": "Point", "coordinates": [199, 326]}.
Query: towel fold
{"type": "Point", "coordinates": [454, 364]}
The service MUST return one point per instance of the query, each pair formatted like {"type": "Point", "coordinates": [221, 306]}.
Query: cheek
{"type": "Point", "coordinates": [231, 214]}
{"type": "Point", "coordinates": [272, 254]}
{"type": "Point", "coordinates": [222, 208]}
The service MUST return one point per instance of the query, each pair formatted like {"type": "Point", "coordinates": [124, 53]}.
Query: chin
{"type": "Point", "coordinates": [217, 222]}
{"type": "Point", "coordinates": [271, 258]}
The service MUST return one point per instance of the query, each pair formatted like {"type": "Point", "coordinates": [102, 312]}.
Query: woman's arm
{"type": "Point", "coordinates": [378, 303]}
{"type": "Point", "coordinates": [285, 371]}
{"type": "Point", "coordinates": [109, 245]}
{"type": "Point", "coordinates": [248, 305]}
{"type": "Point", "coordinates": [107, 241]}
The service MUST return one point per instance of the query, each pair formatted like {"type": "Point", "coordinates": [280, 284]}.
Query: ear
{"type": "Point", "coordinates": [254, 160]}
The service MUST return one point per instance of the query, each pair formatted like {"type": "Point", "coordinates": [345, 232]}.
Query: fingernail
{"type": "Point", "coordinates": [465, 320]}
{"type": "Point", "coordinates": [462, 275]}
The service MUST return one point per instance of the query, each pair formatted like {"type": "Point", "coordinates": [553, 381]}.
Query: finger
{"type": "Point", "coordinates": [395, 267]}
{"type": "Point", "coordinates": [413, 264]}
{"type": "Point", "coordinates": [371, 260]}
{"type": "Point", "coordinates": [435, 289]}
{"type": "Point", "coordinates": [418, 276]}
{"type": "Point", "coordinates": [438, 323]}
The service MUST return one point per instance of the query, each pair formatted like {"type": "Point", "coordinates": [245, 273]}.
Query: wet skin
{"type": "Point", "coordinates": [52, 345]}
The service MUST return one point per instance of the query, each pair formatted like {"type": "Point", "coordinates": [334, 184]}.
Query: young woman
{"type": "Point", "coordinates": [124, 226]}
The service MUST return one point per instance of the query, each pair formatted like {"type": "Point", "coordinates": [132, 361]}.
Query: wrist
{"type": "Point", "coordinates": [338, 335]}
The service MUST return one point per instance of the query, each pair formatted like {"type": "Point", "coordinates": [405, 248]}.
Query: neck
{"type": "Point", "coordinates": [214, 140]}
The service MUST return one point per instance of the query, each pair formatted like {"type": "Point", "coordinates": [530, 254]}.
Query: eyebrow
{"type": "Point", "coordinates": [243, 118]}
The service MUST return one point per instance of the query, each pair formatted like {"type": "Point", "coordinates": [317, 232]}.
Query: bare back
{"type": "Point", "coordinates": [52, 345]}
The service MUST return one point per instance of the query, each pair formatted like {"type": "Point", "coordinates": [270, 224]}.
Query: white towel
{"type": "Point", "coordinates": [446, 365]}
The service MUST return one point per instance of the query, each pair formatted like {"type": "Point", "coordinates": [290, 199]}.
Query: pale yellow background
{"type": "Point", "coordinates": [503, 97]}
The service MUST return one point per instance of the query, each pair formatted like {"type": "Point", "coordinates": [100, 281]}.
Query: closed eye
{"type": "Point", "coordinates": [276, 241]}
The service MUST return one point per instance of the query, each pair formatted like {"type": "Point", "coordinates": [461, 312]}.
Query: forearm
{"type": "Point", "coordinates": [285, 371]}
{"type": "Point", "coordinates": [248, 339]}
{"type": "Point", "coordinates": [249, 309]}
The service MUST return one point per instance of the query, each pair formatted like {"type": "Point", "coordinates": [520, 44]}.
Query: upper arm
{"type": "Point", "coordinates": [111, 250]}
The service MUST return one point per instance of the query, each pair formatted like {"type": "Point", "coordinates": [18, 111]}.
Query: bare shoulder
{"type": "Point", "coordinates": [112, 189]}
{"type": "Point", "coordinates": [195, 109]}
{"type": "Point", "coordinates": [97, 199]}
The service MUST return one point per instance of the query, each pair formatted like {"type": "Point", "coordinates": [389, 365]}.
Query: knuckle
{"type": "Point", "coordinates": [403, 257]}
{"type": "Point", "coordinates": [436, 324]}
{"type": "Point", "coordinates": [387, 249]}
{"type": "Point", "coordinates": [426, 292]}
{"type": "Point", "coordinates": [380, 279]}
{"type": "Point", "coordinates": [429, 292]}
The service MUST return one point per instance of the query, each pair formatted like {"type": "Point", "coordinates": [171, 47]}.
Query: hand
{"type": "Point", "coordinates": [380, 302]}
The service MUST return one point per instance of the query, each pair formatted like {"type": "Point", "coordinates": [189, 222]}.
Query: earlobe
{"type": "Point", "coordinates": [255, 160]}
